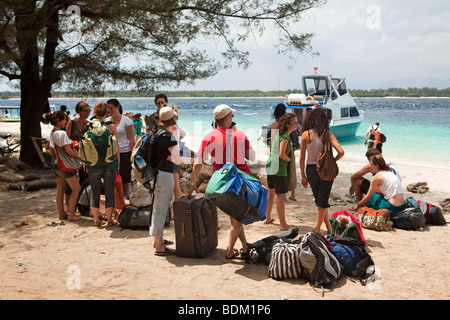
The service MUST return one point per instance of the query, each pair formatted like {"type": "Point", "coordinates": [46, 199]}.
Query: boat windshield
{"type": "Point", "coordinates": [316, 86]}
{"type": "Point", "coordinates": [324, 87]}
{"type": "Point", "coordinates": [340, 85]}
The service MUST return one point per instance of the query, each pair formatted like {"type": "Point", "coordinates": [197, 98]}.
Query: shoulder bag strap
{"type": "Point", "coordinates": [324, 141]}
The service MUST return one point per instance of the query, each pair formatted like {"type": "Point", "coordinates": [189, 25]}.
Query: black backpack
{"type": "Point", "coordinates": [409, 219]}
{"type": "Point", "coordinates": [132, 217]}
{"type": "Point", "coordinates": [261, 250]}
{"type": "Point", "coordinates": [141, 157]}
{"type": "Point", "coordinates": [295, 138]}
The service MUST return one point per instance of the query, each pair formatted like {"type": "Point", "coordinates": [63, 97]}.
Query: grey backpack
{"type": "Point", "coordinates": [320, 266]}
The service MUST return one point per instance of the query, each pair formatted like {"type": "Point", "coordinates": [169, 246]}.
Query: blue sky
{"type": "Point", "coordinates": [374, 44]}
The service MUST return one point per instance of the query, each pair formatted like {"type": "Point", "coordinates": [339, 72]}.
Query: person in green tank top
{"type": "Point", "coordinates": [276, 168]}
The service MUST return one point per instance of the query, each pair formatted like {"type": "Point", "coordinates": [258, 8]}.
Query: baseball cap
{"type": "Point", "coordinates": [222, 110]}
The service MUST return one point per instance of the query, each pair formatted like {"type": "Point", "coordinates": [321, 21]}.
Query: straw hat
{"type": "Point", "coordinates": [167, 113]}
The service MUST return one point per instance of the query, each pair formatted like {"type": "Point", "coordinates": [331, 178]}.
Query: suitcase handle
{"type": "Point", "coordinates": [183, 232]}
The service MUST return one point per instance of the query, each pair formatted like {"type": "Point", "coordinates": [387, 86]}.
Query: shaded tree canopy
{"type": "Point", "coordinates": [91, 46]}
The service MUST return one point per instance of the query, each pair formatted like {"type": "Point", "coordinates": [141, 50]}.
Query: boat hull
{"type": "Point", "coordinates": [345, 130]}
{"type": "Point", "coordinates": [9, 119]}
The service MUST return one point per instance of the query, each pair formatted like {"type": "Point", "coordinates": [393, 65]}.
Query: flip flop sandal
{"type": "Point", "coordinates": [54, 224]}
{"type": "Point", "coordinates": [168, 242]}
{"type": "Point", "coordinates": [235, 254]}
{"type": "Point", "coordinates": [167, 251]}
{"type": "Point", "coordinates": [243, 254]}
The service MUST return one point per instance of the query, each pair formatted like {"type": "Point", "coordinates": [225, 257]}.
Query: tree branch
{"type": "Point", "coordinates": [10, 76]}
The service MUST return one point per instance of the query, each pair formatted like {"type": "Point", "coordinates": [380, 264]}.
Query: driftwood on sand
{"type": "Point", "coordinates": [15, 175]}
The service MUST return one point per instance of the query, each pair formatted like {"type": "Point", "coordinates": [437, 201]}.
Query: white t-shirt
{"type": "Point", "coordinates": [393, 169]}
{"type": "Point", "coordinates": [59, 138]}
{"type": "Point", "coordinates": [122, 138]}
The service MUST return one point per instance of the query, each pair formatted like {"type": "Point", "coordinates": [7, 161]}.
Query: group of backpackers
{"type": "Point", "coordinates": [94, 153]}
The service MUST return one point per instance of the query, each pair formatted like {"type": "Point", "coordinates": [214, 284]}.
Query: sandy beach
{"type": "Point", "coordinates": [78, 261]}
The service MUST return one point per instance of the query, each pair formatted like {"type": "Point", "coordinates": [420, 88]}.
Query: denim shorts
{"type": "Point", "coordinates": [63, 174]}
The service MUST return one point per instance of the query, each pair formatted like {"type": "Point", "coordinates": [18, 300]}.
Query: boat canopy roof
{"type": "Point", "coordinates": [303, 106]}
{"type": "Point", "coordinates": [324, 85]}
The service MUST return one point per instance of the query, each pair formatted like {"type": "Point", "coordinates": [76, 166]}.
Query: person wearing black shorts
{"type": "Point", "coordinates": [314, 130]}
{"type": "Point", "coordinates": [276, 168]}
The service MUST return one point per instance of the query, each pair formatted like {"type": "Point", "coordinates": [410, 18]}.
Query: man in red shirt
{"type": "Point", "coordinates": [225, 145]}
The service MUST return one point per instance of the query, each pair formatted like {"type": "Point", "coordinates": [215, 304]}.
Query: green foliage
{"type": "Point", "coordinates": [88, 46]}
{"type": "Point", "coordinates": [373, 93]}
{"type": "Point", "coordinates": [400, 92]}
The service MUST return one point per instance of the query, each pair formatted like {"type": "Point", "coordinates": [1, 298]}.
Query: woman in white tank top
{"type": "Point", "coordinates": [388, 185]}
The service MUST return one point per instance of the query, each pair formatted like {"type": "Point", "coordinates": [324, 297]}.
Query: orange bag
{"type": "Point", "coordinates": [375, 219]}
{"type": "Point", "coordinates": [119, 201]}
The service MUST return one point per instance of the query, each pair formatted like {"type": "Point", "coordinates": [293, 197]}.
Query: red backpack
{"type": "Point", "coordinates": [432, 213]}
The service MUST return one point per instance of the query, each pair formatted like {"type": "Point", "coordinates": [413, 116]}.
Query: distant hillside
{"type": "Point", "coordinates": [377, 93]}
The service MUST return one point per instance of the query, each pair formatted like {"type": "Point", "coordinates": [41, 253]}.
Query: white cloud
{"type": "Point", "coordinates": [369, 42]}
{"type": "Point", "coordinates": [410, 40]}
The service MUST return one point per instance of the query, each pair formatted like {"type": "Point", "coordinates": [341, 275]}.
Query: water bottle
{"type": "Point", "coordinates": [140, 162]}
{"type": "Point", "coordinates": [181, 146]}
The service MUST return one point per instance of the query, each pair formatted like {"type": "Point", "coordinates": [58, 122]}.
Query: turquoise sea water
{"type": "Point", "coordinates": [417, 130]}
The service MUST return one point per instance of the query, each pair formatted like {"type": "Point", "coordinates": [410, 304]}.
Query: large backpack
{"type": "Point", "coordinates": [352, 256]}
{"type": "Point", "coordinates": [320, 266]}
{"type": "Point", "coordinates": [409, 219]}
{"type": "Point", "coordinates": [132, 217]}
{"type": "Point", "coordinates": [84, 200]}
{"type": "Point", "coordinates": [285, 262]}
{"type": "Point", "coordinates": [98, 147]}
{"type": "Point", "coordinates": [261, 251]}
{"type": "Point", "coordinates": [353, 229]}
{"type": "Point", "coordinates": [141, 155]}
{"type": "Point", "coordinates": [238, 194]}
{"type": "Point", "coordinates": [432, 213]}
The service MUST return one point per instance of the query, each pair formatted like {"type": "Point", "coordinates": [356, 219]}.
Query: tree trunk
{"type": "Point", "coordinates": [31, 109]}
{"type": "Point", "coordinates": [35, 87]}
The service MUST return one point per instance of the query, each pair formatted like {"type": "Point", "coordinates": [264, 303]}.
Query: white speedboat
{"type": "Point", "coordinates": [12, 113]}
{"type": "Point", "coordinates": [9, 114]}
{"type": "Point", "coordinates": [328, 92]}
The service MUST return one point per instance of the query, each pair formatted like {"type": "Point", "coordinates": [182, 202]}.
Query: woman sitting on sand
{"type": "Point", "coordinates": [389, 186]}
{"type": "Point", "coordinates": [60, 141]}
